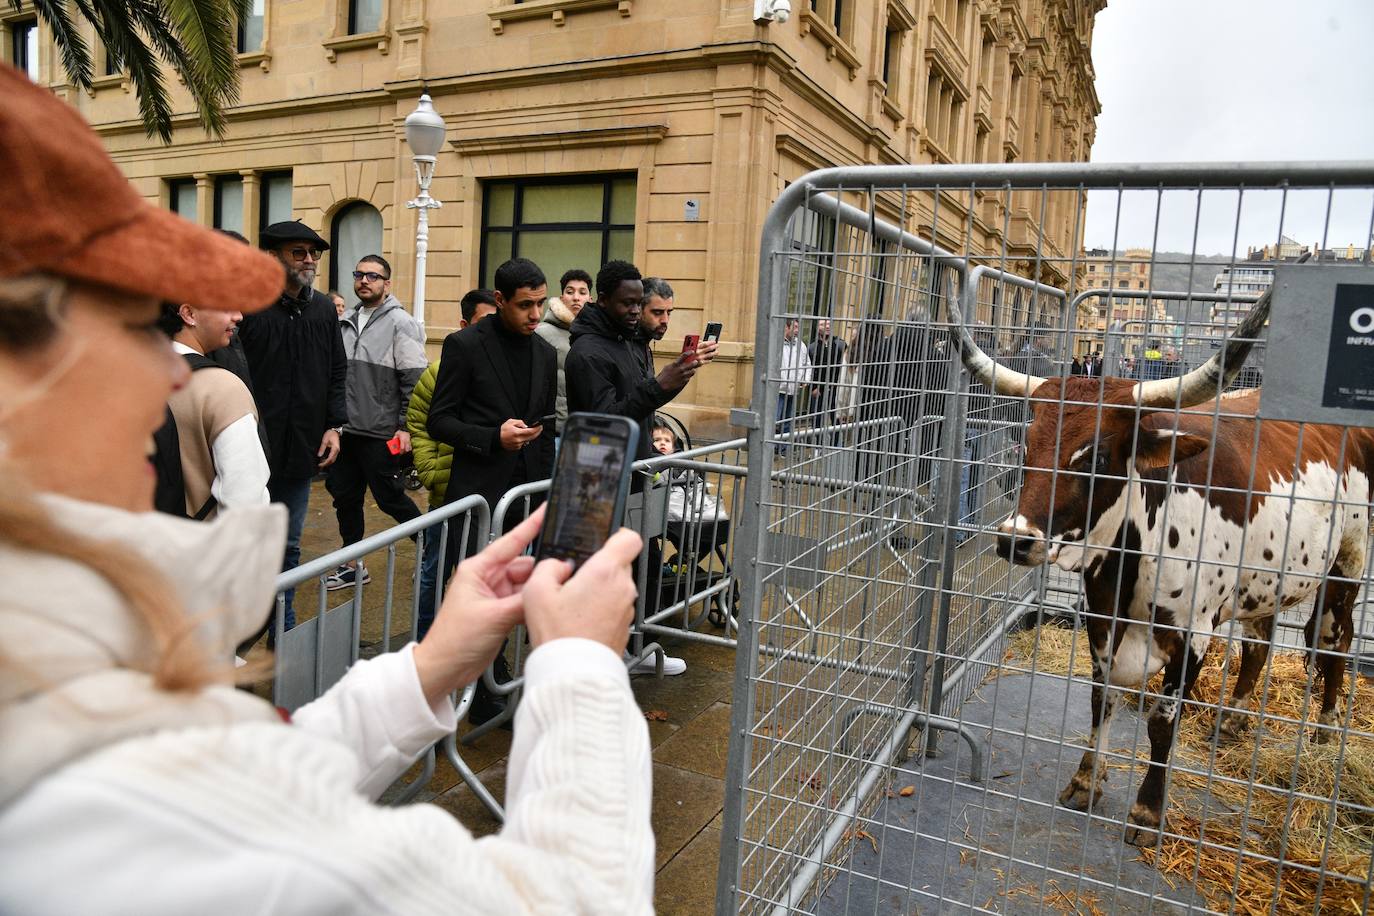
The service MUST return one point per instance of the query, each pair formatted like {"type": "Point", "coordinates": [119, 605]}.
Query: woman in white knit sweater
{"type": "Point", "coordinates": [134, 778]}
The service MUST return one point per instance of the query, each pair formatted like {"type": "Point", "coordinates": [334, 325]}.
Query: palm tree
{"type": "Point", "coordinates": [198, 39]}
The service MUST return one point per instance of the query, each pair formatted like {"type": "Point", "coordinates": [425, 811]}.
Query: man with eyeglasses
{"type": "Point", "coordinates": [386, 355]}
{"type": "Point", "coordinates": [299, 369]}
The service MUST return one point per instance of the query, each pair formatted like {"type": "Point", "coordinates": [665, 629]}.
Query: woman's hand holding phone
{"type": "Point", "coordinates": [597, 602]}
{"type": "Point", "coordinates": [500, 587]}
{"type": "Point", "coordinates": [482, 604]}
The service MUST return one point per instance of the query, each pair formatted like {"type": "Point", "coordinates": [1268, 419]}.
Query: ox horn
{"type": "Point", "coordinates": [1211, 378]}
{"type": "Point", "coordinates": [984, 368]}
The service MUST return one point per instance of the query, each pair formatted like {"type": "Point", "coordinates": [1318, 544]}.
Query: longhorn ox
{"type": "Point", "coordinates": [1182, 510]}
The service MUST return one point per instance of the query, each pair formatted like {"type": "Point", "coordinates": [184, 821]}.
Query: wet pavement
{"type": "Point", "coordinates": [689, 741]}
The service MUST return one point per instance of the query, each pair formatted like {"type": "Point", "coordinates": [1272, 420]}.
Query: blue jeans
{"type": "Point", "coordinates": [429, 578]}
{"type": "Point", "coordinates": [786, 405]}
{"type": "Point", "coordinates": [295, 495]}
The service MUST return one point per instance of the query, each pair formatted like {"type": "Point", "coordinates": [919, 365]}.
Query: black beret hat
{"type": "Point", "coordinates": [291, 231]}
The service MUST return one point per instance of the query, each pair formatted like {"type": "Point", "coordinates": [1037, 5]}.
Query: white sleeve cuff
{"type": "Point", "coordinates": [379, 711]}
{"type": "Point", "coordinates": [573, 657]}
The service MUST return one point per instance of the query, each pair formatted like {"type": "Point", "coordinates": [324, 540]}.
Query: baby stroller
{"type": "Point", "coordinates": [697, 526]}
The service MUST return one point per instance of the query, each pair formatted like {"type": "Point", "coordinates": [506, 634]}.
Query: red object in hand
{"type": "Point", "coordinates": [690, 343]}
{"type": "Point", "coordinates": [393, 444]}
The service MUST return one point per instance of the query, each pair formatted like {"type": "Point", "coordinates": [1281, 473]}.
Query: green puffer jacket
{"type": "Point", "coordinates": [433, 460]}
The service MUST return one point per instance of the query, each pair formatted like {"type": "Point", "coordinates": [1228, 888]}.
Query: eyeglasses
{"type": "Point", "coordinates": [368, 275]}
{"type": "Point", "coordinates": [300, 254]}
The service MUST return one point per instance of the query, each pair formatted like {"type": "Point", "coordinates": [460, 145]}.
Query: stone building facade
{"type": "Point", "coordinates": [657, 130]}
{"type": "Point", "coordinates": [1138, 318]}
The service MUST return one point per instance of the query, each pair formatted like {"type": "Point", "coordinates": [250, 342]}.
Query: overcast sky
{"type": "Point", "coordinates": [1246, 80]}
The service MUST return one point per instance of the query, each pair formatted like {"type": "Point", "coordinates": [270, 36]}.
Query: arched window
{"type": "Point", "coordinates": [357, 231]}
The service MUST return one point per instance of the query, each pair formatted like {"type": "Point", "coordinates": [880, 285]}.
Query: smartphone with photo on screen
{"type": "Point", "coordinates": [712, 332]}
{"type": "Point", "coordinates": [591, 482]}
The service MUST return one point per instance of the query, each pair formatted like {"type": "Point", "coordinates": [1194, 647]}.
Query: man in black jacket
{"type": "Point", "coordinates": [297, 362]}
{"type": "Point", "coordinates": [607, 370]}
{"type": "Point", "coordinates": [496, 380]}
{"type": "Point", "coordinates": [610, 370]}
{"type": "Point", "coordinates": [827, 358]}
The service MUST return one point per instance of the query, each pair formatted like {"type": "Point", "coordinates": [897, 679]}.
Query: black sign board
{"type": "Point", "coordinates": [1350, 360]}
{"type": "Point", "coordinates": [1319, 364]}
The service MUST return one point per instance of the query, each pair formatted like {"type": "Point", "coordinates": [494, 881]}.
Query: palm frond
{"type": "Point", "coordinates": [126, 48]}
{"type": "Point", "coordinates": [198, 39]}
{"type": "Point", "coordinates": [207, 30]}
{"type": "Point", "coordinates": [209, 100]}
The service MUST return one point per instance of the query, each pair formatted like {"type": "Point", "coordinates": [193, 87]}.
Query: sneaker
{"type": "Point", "coordinates": [671, 666]}
{"type": "Point", "coordinates": [346, 577]}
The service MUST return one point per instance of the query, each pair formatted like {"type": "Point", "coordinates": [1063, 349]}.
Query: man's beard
{"type": "Point", "coordinates": [301, 276]}
{"type": "Point", "coordinates": [373, 302]}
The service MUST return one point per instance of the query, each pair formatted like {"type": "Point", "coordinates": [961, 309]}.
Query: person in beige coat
{"type": "Point", "coordinates": [134, 777]}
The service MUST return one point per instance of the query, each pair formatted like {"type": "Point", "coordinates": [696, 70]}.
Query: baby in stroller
{"type": "Point", "coordinates": [698, 527]}
{"type": "Point", "coordinates": [690, 497]}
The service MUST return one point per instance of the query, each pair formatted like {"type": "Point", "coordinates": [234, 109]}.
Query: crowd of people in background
{"type": "Point", "coordinates": [320, 387]}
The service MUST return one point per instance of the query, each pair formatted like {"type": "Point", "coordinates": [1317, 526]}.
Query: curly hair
{"type": "Point", "coordinates": [614, 273]}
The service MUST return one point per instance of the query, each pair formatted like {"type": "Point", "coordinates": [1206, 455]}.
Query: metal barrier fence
{"type": "Point", "coordinates": [881, 611]}
{"type": "Point", "coordinates": [314, 654]}
{"type": "Point", "coordinates": [683, 505]}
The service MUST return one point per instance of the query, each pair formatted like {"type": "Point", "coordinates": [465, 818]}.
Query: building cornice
{"type": "Point", "coordinates": [341, 101]}
{"type": "Point", "coordinates": [485, 144]}
{"type": "Point", "coordinates": [756, 52]}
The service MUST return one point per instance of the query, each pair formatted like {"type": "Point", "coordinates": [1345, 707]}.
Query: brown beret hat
{"type": "Point", "coordinates": [72, 213]}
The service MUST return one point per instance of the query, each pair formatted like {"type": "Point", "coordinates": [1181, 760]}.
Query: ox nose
{"type": "Point", "coordinates": [1019, 542]}
{"type": "Point", "coordinates": [1014, 549]}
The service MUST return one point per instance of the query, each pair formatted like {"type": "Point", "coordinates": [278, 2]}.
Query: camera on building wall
{"type": "Point", "coordinates": [772, 10]}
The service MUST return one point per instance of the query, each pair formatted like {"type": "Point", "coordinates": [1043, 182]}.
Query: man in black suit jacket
{"type": "Point", "coordinates": [496, 379]}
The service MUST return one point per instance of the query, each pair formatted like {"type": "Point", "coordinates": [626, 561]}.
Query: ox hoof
{"type": "Point", "coordinates": [1143, 826]}
{"type": "Point", "coordinates": [1233, 726]}
{"type": "Point", "coordinates": [1079, 795]}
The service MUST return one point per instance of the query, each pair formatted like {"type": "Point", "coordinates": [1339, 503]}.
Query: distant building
{"type": "Point", "coordinates": [1245, 279]}
{"type": "Point", "coordinates": [1135, 317]}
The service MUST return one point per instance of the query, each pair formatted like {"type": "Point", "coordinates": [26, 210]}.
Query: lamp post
{"type": "Point", "coordinates": [425, 135]}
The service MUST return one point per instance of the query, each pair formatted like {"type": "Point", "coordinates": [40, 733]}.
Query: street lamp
{"type": "Point", "coordinates": [425, 135]}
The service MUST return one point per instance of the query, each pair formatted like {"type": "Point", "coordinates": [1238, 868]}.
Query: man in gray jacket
{"type": "Point", "coordinates": [386, 355]}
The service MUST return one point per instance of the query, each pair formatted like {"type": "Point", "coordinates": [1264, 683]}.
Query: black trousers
{"type": "Point", "coordinates": [365, 463]}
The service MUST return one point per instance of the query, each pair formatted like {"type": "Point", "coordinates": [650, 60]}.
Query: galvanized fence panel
{"type": "Point", "coordinates": [683, 505]}
{"type": "Point", "coordinates": [880, 609]}
{"type": "Point", "coordinates": [309, 658]}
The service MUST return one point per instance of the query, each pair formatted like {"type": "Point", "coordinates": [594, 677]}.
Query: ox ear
{"type": "Point", "coordinates": [1156, 448]}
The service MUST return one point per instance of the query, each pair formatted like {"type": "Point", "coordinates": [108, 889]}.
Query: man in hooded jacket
{"type": "Point", "coordinates": [606, 370]}
{"type": "Point", "coordinates": [610, 370]}
{"type": "Point", "coordinates": [386, 354]}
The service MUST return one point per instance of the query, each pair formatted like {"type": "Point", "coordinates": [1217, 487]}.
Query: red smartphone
{"type": "Point", "coordinates": [690, 343]}
{"type": "Point", "coordinates": [393, 445]}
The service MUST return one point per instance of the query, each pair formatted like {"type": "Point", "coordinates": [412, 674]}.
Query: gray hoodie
{"type": "Point", "coordinates": [384, 363]}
